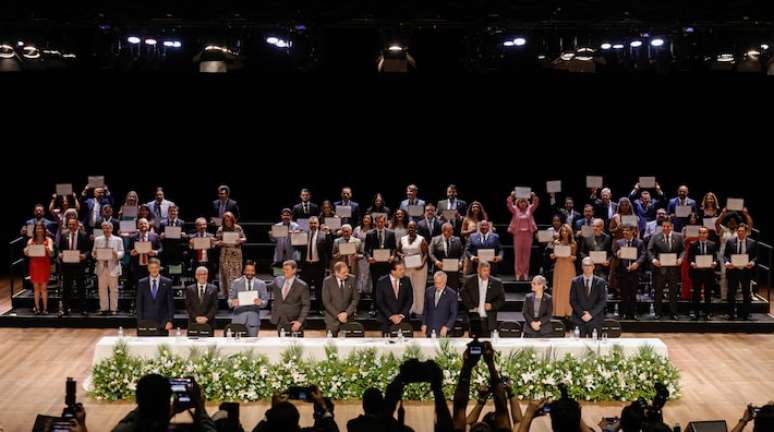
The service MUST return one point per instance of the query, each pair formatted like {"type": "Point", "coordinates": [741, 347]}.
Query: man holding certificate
{"type": "Point", "coordinates": [484, 246]}
{"type": "Point", "coordinates": [348, 249]}
{"type": "Point", "coordinates": [740, 256]}
{"type": "Point", "coordinates": [380, 248]}
{"type": "Point", "coordinates": [447, 252]}
{"type": "Point", "coordinates": [73, 247]}
{"type": "Point", "coordinates": [201, 300]}
{"type": "Point", "coordinates": [172, 240]}
{"type": "Point", "coordinates": [681, 207]}
{"type": "Point", "coordinates": [280, 235]}
{"type": "Point", "coordinates": [201, 245]}
{"type": "Point", "coordinates": [247, 296]}
{"type": "Point", "coordinates": [143, 246]}
{"type": "Point", "coordinates": [339, 298]}
{"type": "Point", "coordinates": [598, 241]}
{"type": "Point", "coordinates": [666, 251]}
{"type": "Point", "coordinates": [108, 251]}
{"type": "Point", "coordinates": [701, 256]}
{"type": "Point", "coordinates": [631, 255]}
{"type": "Point", "coordinates": [413, 205]}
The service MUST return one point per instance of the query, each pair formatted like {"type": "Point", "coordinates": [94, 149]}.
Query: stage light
{"type": "Point", "coordinates": [278, 42]}
{"type": "Point", "coordinates": [657, 42]}
{"type": "Point", "coordinates": [725, 58]}
{"type": "Point", "coordinates": [151, 42]}
{"type": "Point", "coordinates": [687, 29]}
{"type": "Point", "coordinates": [584, 54]}
{"type": "Point", "coordinates": [69, 55]}
{"type": "Point", "coordinates": [635, 44]}
{"type": "Point", "coordinates": [7, 51]}
{"type": "Point", "coordinates": [519, 41]}
{"type": "Point", "coordinates": [272, 40]}
{"type": "Point", "coordinates": [753, 53]}
{"type": "Point", "coordinates": [618, 46]}
{"type": "Point", "coordinates": [606, 46]}
{"type": "Point", "coordinates": [508, 43]}
{"type": "Point", "coordinates": [764, 46]}
{"type": "Point", "coordinates": [567, 55]}
{"type": "Point", "coordinates": [30, 52]}
{"type": "Point", "coordinates": [395, 48]}
{"type": "Point", "coordinates": [20, 43]}
{"type": "Point", "coordinates": [134, 40]}
{"type": "Point", "coordinates": [172, 43]}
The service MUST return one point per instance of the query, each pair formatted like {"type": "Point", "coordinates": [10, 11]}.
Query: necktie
{"type": "Point", "coordinates": [446, 248]}
{"type": "Point", "coordinates": [285, 289]}
{"type": "Point", "coordinates": [306, 208]}
{"type": "Point", "coordinates": [703, 249]}
{"type": "Point", "coordinates": [396, 287]}
{"type": "Point", "coordinates": [669, 243]}
{"type": "Point", "coordinates": [381, 239]}
{"type": "Point", "coordinates": [310, 247]}
{"type": "Point", "coordinates": [341, 285]}
{"type": "Point", "coordinates": [437, 297]}
{"type": "Point", "coordinates": [588, 287]}
{"type": "Point", "coordinates": [72, 241]}
{"type": "Point", "coordinates": [154, 288]}
{"type": "Point", "coordinates": [221, 209]}
{"type": "Point", "coordinates": [249, 284]}
{"type": "Point", "coordinates": [201, 292]}
{"type": "Point", "coordinates": [430, 226]}
{"type": "Point", "coordinates": [144, 257]}
{"type": "Point", "coordinates": [200, 253]}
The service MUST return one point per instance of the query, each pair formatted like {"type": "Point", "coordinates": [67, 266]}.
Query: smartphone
{"type": "Point", "coordinates": [182, 388]}
{"type": "Point", "coordinates": [300, 393]}
{"type": "Point", "coordinates": [609, 424]}
{"type": "Point", "coordinates": [475, 350]}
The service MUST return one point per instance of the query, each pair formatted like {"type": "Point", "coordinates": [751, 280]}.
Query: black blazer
{"type": "Point", "coordinates": [642, 255]}
{"type": "Point", "coordinates": [231, 206]}
{"type": "Point", "coordinates": [162, 308]}
{"type": "Point", "coordinates": [731, 248]}
{"type": "Point", "coordinates": [98, 226]}
{"type": "Point", "coordinates": [324, 247]}
{"type": "Point", "coordinates": [154, 240]}
{"type": "Point", "coordinates": [495, 295]}
{"type": "Point", "coordinates": [595, 303]}
{"type": "Point", "coordinates": [543, 315]}
{"type": "Point", "coordinates": [206, 306]}
{"type": "Point", "coordinates": [372, 241]}
{"type": "Point", "coordinates": [386, 303]}
{"type": "Point", "coordinates": [695, 249]}
{"type": "Point", "coordinates": [424, 229]}
{"type": "Point", "coordinates": [297, 212]}
{"type": "Point", "coordinates": [82, 243]}
{"type": "Point", "coordinates": [455, 249]}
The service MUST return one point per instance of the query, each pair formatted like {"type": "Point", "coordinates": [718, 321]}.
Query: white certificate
{"type": "Point", "coordinates": [247, 297]}
{"type": "Point", "coordinates": [333, 223]}
{"type": "Point", "coordinates": [104, 254]}
{"type": "Point", "coordinates": [96, 181]}
{"type": "Point", "coordinates": [523, 191]}
{"type": "Point", "coordinates": [218, 222]}
{"type": "Point", "coordinates": [451, 265]}
{"type": "Point", "coordinates": [36, 250]}
{"type": "Point", "coordinates": [71, 256]}
{"type": "Point", "coordinates": [594, 182]}
{"type": "Point", "coordinates": [647, 182]}
{"type": "Point", "coordinates": [545, 236]}
{"type": "Point", "coordinates": [143, 247]}
{"type": "Point", "coordinates": [413, 261]}
{"type": "Point", "coordinates": [704, 261]}
{"type": "Point", "coordinates": [587, 230]}
{"type": "Point", "coordinates": [63, 189]}
{"type": "Point", "coordinates": [416, 210]}
{"type": "Point", "coordinates": [486, 255]}
{"type": "Point", "coordinates": [449, 214]}
{"type": "Point", "coordinates": [554, 186]}
{"type": "Point", "coordinates": [230, 238]}
{"type": "Point", "coordinates": [659, 229]}
{"type": "Point", "coordinates": [629, 220]}
{"type": "Point", "coordinates": [129, 211]}
{"type": "Point", "coordinates": [279, 231]}
{"type": "Point", "coordinates": [598, 257]}
{"type": "Point", "coordinates": [709, 223]}
{"type": "Point", "coordinates": [692, 231]}
{"type": "Point", "coordinates": [171, 232]}
{"type": "Point", "coordinates": [300, 238]}
{"type": "Point", "coordinates": [200, 243]}
{"type": "Point", "coordinates": [562, 251]}
{"type": "Point", "coordinates": [347, 248]}
{"type": "Point", "coordinates": [127, 227]}
{"type": "Point", "coordinates": [381, 255]}
{"type": "Point", "coordinates": [30, 231]}
{"type": "Point", "coordinates": [303, 224]}
{"type": "Point", "coordinates": [668, 259]}
{"type": "Point", "coordinates": [343, 211]}
{"type": "Point", "coordinates": [683, 211]}
{"type": "Point", "coordinates": [628, 253]}
{"type": "Point", "coordinates": [740, 260]}
{"type": "Point", "coordinates": [735, 204]}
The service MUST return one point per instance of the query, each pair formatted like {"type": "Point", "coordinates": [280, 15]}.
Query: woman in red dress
{"type": "Point", "coordinates": [40, 267]}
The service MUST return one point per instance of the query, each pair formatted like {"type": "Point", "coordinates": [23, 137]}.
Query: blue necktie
{"type": "Point", "coordinates": [154, 289]}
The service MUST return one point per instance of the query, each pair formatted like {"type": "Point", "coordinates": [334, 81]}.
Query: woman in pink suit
{"type": "Point", "coordinates": [522, 228]}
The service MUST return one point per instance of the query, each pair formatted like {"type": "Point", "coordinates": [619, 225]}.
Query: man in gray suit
{"type": "Point", "coordinates": [339, 297]}
{"type": "Point", "coordinates": [447, 246]}
{"type": "Point", "coordinates": [201, 300]}
{"type": "Point", "coordinates": [290, 303]}
{"type": "Point", "coordinates": [248, 315]}
{"type": "Point", "coordinates": [667, 276]}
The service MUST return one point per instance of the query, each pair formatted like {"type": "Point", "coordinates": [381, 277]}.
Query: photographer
{"type": "Point", "coordinates": [471, 356]}
{"type": "Point", "coordinates": [283, 415]}
{"type": "Point", "coordinates": [414, 371]}
{"type": "Point", "coordinates": [762, 418]}
{"type": "Point", "coordinates": [154, 410]}
{"type": "Point", "coordinates": [565, 414]}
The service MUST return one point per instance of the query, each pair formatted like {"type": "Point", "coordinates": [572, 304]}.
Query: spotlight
{"type": "Point", "coordinates": [618, 46]}
{"type": "Point", "coordinates": [584, 54]}
{"type": "Point", "coordinates": [687, 29]}
{"type": "Point", "coordinates": [753, 53]}
{"type": "Point", "coordinates": [395, 48]}
{"type": "Point", "coordinates": [172, 44]}
{"type": "Point", "coordinates": [272, 40]}
{"type": "Point", "coordinates": [68, 55]}
{"type": "Point", "coordinates": [6, 51]}
{"type": "Point", "coordinates": [606, 46]}
{"type": "Point", "coordinates": [134, 40]}
{"type": "Point", "coordinates": [519, 41]}
{"type": "Point", "coordinates": [635, 44]}
{"type": "Point", "coordinates": [278, 42]}
{"type": "Point", "coordinates": [725, 58]}
{"type": "Point", "coordinates": [20, 43]}
{"type": "Point", "coordinates": [31, 52]}
{"type": "Point", "coordinates": [657, 42]}
{"type": "Point", "coordinates": [151, 42]}
{"type": "Point", "coordinates": [764, 46]}
{"type": "Point", "coordinates": [567, 55]}
{"type": "Point", "coordinates": [508, 43]}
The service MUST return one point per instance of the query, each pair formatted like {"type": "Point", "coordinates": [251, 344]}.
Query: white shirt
{"type": "Point", "coordinates": [313, 248]}
{"type": "Point", "coordinates": [482, 286]}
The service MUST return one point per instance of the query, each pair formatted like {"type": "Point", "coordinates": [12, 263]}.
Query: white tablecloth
{"type": "Point", "coordinates": [314, 348]}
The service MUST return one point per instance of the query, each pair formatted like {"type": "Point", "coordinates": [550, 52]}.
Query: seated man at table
{"type": "Point", "coordinates": [201, 300]}
{"type": "Point", "coordinates": [394, 296]}
{"type": "Point", "coordinates": [588, 298]}
{"type": "Point", "coordinates": [339, 297]}
{"type": "Point", "coordinates": [440, 312]}
{"type": "Point", "coordinates": [483, 295]}
{"type": "Point", "coordinates": [155, 300]}
{"type": "Point", "coordinates": [248, 315]}
{"type": "Point", "coordinates": [291, 299]}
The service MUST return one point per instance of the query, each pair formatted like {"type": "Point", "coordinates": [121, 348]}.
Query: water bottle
{"type": "Point", "coordinates": [615, 310]}
{"type": "Point", "coordinates": [433, 335]}
{"type": "Point", "coordinates": [576, 333]}
{"type": "Point", "coordinates": [652, 310]}
{"type": "Point", "coordinates": [604, 337]}
{"type": "Point", "coordinates": [594, 334]}
{"type": "Point", "coordinates": [329, 335]}
{"type": "Point", "coordinates": [495, 335]}
{"type": "Point", "coordinates": [120, 332]}
{"type": "Point", "coordinates": [400, 336]}
{"type": "Point", "coordinates": [228, 333]}
{"type": "Point", "coordinates": [282, 332]}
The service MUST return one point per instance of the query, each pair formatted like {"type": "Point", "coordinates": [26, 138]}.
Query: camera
{"type": "Point", "coordinates": [69, 410]}
{"type": "Point", "coordinates": [182, 391]}
{"type": "Point", "coordinates": [300, 393]}
{"type": "Point", "coordinates": [651, 413]}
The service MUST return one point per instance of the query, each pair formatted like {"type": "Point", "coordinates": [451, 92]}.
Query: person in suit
{"type": "Point", "coordinates": [452, 202]}
{"type": "Point", "coordinates": [448, 246]}
{"type": "Point", "coordinates": [340, 297]}
{"type": "Point", "coordinates": [484, 239]}
{"type": "Point", "coordinates": [538, 310]}
{"type": "Point", "coordinates": [394, 296]}
{"type": "Point", "coordinates": [155, 299]}
{"type": "Point", "coordinates": [598, 241]}
{"type": "Point", "coordinates": [203, 257]}
{"type": "Point", "coordinates": [739, 277]}
{"type": "Point", "coordinates": [72, 273]}
{"type": "Point", "coordinates": [139, 262]}
{"type": "Point", "coordinates": [587, 219]}
{"type": "Point", "coordinates": [108, 271]}
{"type": "Point", "coordinates": [379, 238]}
{"type": "Point", "coordinates": [483, 295]}
{"type": "Point", "coordinates": [522, 227]}
{"type": "Point", "coordinates": [588, 298]}
{"type": "Point", "coordinates": [315, 256]}
{"type": "Point", "coordinates": [346, 200]}
{"type": "Point", "coordinates": [201, 300]}
{"type": "Point", "coordinates": [604, 206]}
{"type": "Point", "coordinates": [224, 204]}
{"type": "Point", "coordinates": [290, 295]}
{"type": "Point", "coordinates": [351, 260]}
{"type": "Point", "coordinates": [628, 272]}
{"type": "Point", "coordinates": [411, 200]}
{"type": "Point", "coordinates": [284, 249]}
{"type": "Point", "coordinates": [429, 226]}
{"type": "Point", "coordinates": [159, 207]}
{"type": "Point", "coordinates": [91, 207]}
{"type": "Point", "coordinates": [682, 199]}
{"type": "Point", "coordinates": [667, 277]}
{"type": "Point", "coordinates": [39, 216]}
{"type": "Point", "coordinates": [702, 277]}
{"type": "Point", "coordinates": [105, 216]}
{"type": "Point", "coordinates": [646, 205]}
{"type": "Point", "coordinates": [248, 315]}
{"type": "Point", "coordinates": [173, 248]}
{"type": "Point", "coordinates": [440, 312]}
{"type": "Point", "coordinates": [306, 208]}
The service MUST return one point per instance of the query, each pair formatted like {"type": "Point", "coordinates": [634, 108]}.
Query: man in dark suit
{"type": "Point", "coordinates": [702, 276]}
{"type": "Point", "coordinates": [306, 208]}
{"type": "Point", "coordinates": [628, 271]}
{"type": "Point", "coordinates": [604, 206]}
{"type": "Point", "coordinates": [587, 219]}
{"type": "Point", "coordinates": [484, 239]}
{"type": "Point", "coordinates": [315, 256]}
{"type": "Point", "coordinates": [91, 207]}
{"type": "Point", "coordinates": [567, 212]}
{"type": "Point", "coordinates": [739, 277]}
{"type": "Point", "coordinates": [447, 246]}
{"type": "Point", "coordinates": [452, 202]}
{"type": "Point", "coordinates": [588, 298]}
{"type": "Point", "coordinates": [440, 312]}
{"type": "Point", "coordinates": [379, 238]}
{"type": "Point", "coordinates": [483, 295]}
{"type": "Point", "coordinates": [73, 239]}
{"type": "Point", "coordinates": [203, 257]}
{"type": "Point", "coordinates": [394, 296]}
{"type": "Point", "coordinates": [346, 201]}
{"type": "Point", "coordinates": [537, 310]}
{"type": "Point", "coordinates": [290, 303]}
{"type": "Point", "coordinates": [598, 241]}
{"type": "Point", "coordinates": [681, 200]}
{"type": "Point", "coordinates": [429, 226]}
{"type": "Point", "coordinates": [224, 203]}
{"type": "Point", "coordinates": [339, 297]}
{"type": "Point", "coordinates": [155, 300]}
{"type": "Point", "coordinates": [172, 247]}
{"type": "Point", "coordinates": [666, 242]}
{"type": "Point", "coordinates": [201, 300]}
{"type": "Point", "coordinates": [106, 216]}
{"type": "Point", "coordinates": [139, 261]}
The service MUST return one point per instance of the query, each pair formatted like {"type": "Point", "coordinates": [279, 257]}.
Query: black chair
{"type": "Point", "coordinates": [288, 329]}
{"type": "Point", "coordinates": [150, 328]}
{"type": "Point", "coordinates": [236, 330]}
{"type": "Point", "coordinates": [404, 328]}
{"type": "Point", "coordinates": [612, 328]}
{"type": "Point", "coordinates": [509, 329]}
{"type": "Point", "coordinates": [352, 330]}
{"type": "Point", "coordinates": [559, 329]}
{"type": "Point", "coordinates": [458, 330]}
{"type": "Point", "coordinates": [200, 330]}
